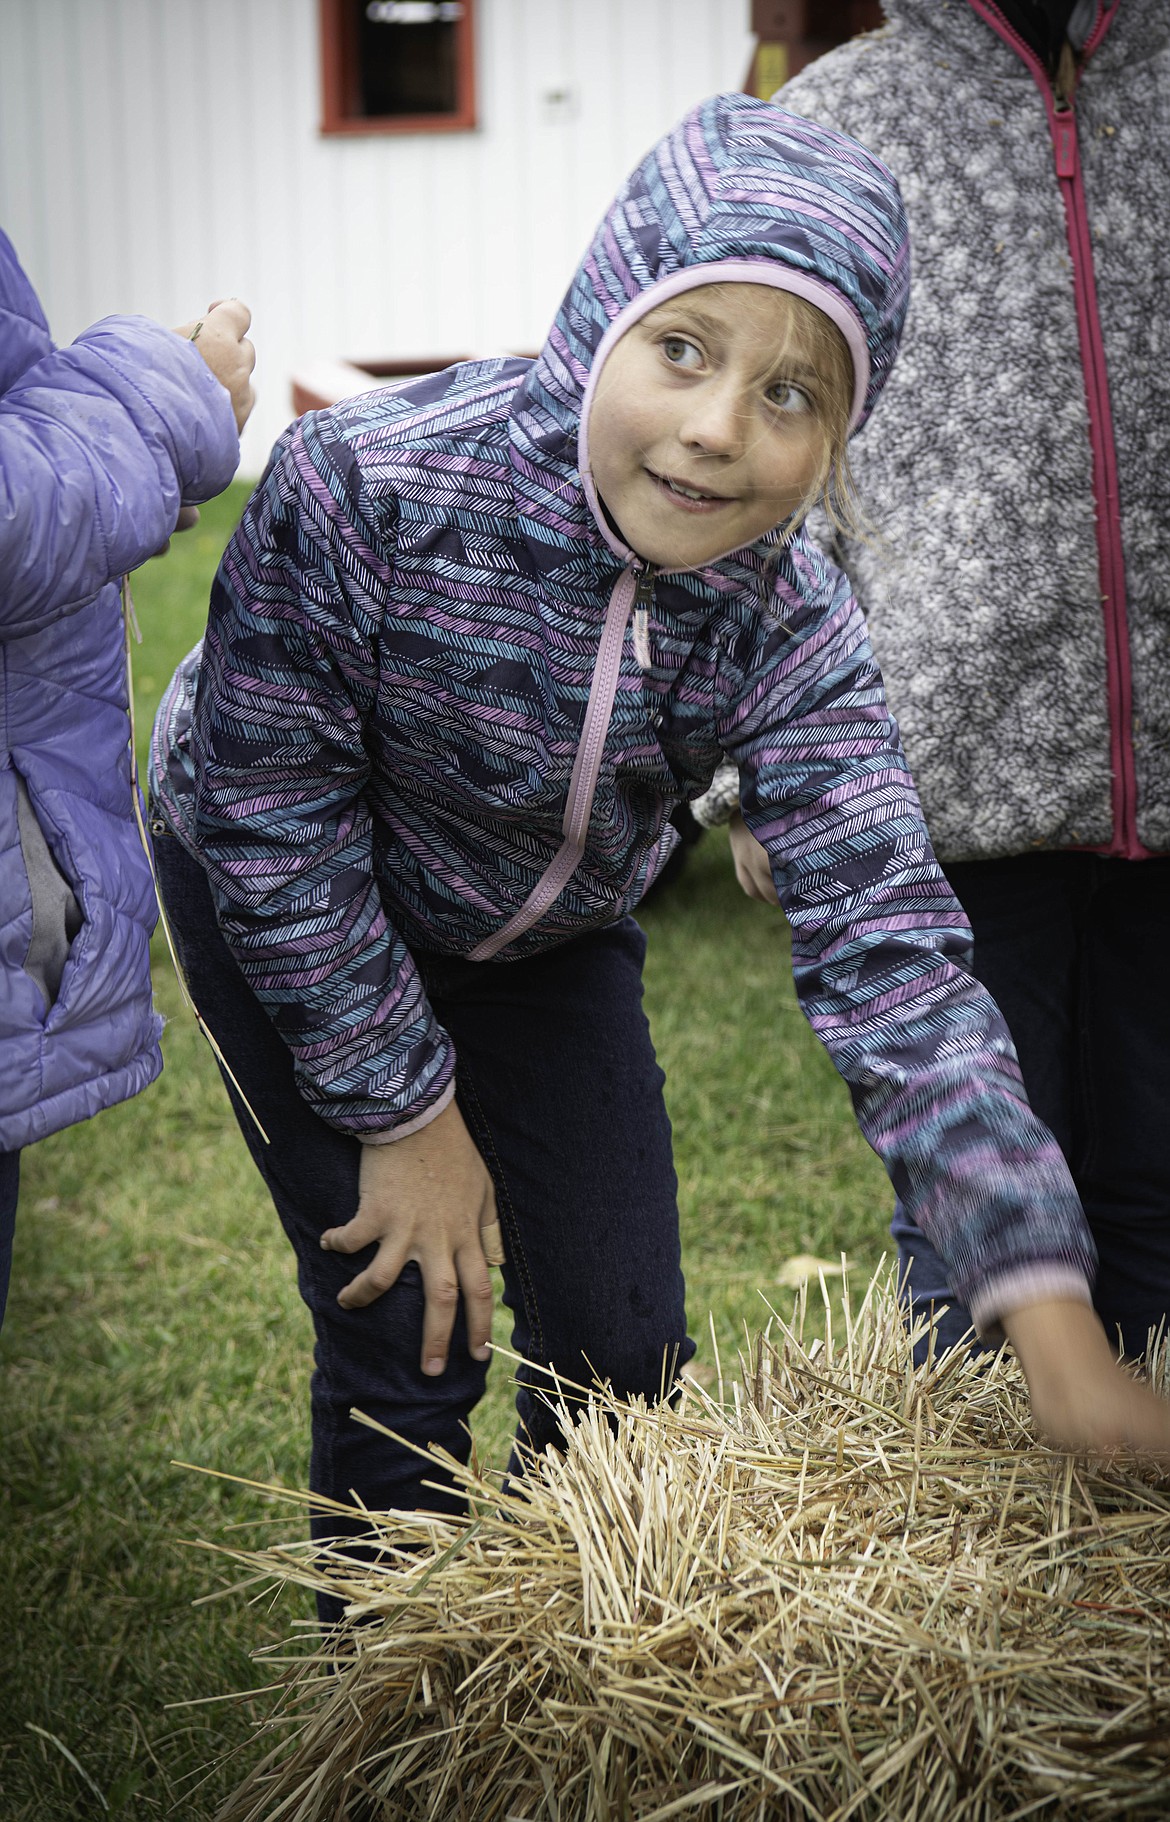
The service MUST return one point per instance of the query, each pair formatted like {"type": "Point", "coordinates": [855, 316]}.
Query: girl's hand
{"type": "Point", "coordinates": [220, 335]}
{"type": "Point", "coordinates": [188, 516]}
{"type": "Point", "coordinates": [752, 866]}
{"type": "Point", "coordinates": [1082, 1399]}
{"type": "Point", "coordinates": [429, 1198]}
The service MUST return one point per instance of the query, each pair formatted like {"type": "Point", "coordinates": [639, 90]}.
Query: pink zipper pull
{"type": "Point", "coordinates": [1064, 143]}
{"type": "Point", "coordinates": [1064, 126]}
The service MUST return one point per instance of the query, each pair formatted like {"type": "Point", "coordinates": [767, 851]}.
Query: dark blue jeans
{"type": "Point", "coordinates": [559, 1086]}
{"type": "Point", "coordinates": [1075, 949]}
{"type": "Point", "coordinates": [9, 1183]}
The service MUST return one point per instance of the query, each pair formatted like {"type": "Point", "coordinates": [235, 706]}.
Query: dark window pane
{"type": "Point", "coordinates": [407, 56]}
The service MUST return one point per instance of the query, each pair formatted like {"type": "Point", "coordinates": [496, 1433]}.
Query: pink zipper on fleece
{"type": "Point", "coordinates": [1111, 560]}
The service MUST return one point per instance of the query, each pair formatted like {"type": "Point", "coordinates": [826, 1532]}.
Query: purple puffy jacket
{"type": "Point", "coordinates": [100, 443]}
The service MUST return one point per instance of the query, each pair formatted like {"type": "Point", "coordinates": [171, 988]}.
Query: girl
{"type": "Point", "coordinates": [472, 642]}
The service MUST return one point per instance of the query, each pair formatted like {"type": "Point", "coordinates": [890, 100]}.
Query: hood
{"type": "Point", "coordinates": [24, 333]}
{"type": "Point", "coordinates": [739, 191]}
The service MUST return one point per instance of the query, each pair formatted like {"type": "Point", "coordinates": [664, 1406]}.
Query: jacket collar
{"type": "Point", "coordinates": [1136, 31]}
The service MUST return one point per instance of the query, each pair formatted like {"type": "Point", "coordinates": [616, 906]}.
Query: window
{"type": "Point", "coordinates": [397, 66]}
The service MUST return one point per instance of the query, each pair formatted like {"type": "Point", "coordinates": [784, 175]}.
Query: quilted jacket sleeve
{"type": "Point", "coordinates": [880, 950]}
{"type": "Point", "coordinates": [287, 686]}
{"type": "Point", "coordinates": [100, 444]}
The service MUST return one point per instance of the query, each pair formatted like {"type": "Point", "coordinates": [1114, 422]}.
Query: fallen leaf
{"type": "Point", "coordinates": [802, 1266]}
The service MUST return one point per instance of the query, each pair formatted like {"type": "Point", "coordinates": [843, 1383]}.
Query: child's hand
{"type": "Point", "coordinates": [188, 516]}
{"type": "Point", "coordinates": [1082, 1399]}
{"type": "Point", "coordinates": [752, 866]}
{"type": "Point", "coordinates": [426, 1197]}
{"type": "Point", "coordinates": [221, 338]}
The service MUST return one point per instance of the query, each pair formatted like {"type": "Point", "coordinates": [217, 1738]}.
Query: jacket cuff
{"type": "Point", "coordinates": [1041, 1281]}
{"type": "Point", "coordinates": [416, 1124]}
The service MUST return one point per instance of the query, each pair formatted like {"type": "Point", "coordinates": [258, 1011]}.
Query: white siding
{"type": "Point", "coordinates": [155, 154]}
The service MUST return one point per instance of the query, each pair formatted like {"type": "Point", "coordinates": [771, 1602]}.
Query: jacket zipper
{"type": "Point", "coordinates": [1058, 104]}
{"type": "Point", "coordinates": [634, 589]}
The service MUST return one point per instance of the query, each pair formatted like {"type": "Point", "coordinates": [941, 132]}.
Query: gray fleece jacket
{"type": "Point", "coordinates": [1018, 467]}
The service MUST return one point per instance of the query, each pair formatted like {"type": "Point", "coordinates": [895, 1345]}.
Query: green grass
{"type": "Point", "coordinates": [154, 1318]}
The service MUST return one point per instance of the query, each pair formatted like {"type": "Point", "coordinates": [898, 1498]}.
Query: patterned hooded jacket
{"type": "Point", "coordinates": [440, 705]}
{"type": "Point", "coordinates": [1019, 468]}
{"type": "Point", "coordinates": [99, 444]}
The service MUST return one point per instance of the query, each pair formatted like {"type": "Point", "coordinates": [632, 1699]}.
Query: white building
{"type": "Point", "coordinates": [156, 154]}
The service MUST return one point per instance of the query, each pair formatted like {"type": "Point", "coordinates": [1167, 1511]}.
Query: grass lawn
{"type": "Point", "coordinates": [154, 1318]}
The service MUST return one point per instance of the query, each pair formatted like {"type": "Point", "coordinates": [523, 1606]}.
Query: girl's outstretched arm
{"type": "Point", "coordinates": [426, 1197]}
{"type": "Point", "coordinates": [1081, 1397]}
{"type": "Point", "coordinates": [881, 958]}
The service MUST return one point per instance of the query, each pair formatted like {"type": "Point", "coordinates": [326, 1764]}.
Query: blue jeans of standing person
{"type": "Point", "coordinates": [559, 1086]}
{"type": "Point", "coordinates": [1075, 949]}
{"type": "Point", "coordinates": [9, 1183]}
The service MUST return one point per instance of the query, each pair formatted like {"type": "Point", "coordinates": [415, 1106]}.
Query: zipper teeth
{"type": "Point", "coordinates": [1119, 680]}
{"type": "Point", "coordinates": [991, 13]}
{"type": "Point", "coordinates": [583, 781]}
{"type": "Point", "coordinates": [992, 16]}
{"type": "Point", "coordinates": [1112, 572]}
{"type": "Point", "coordinates": [1100, 27]}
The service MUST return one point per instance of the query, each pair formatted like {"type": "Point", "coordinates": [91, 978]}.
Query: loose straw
{"type": "Point", "coordinates": [849, 1589]}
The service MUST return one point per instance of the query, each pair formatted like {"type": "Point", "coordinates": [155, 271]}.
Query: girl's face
{"type": "Point", "coordinates": [704, 431]}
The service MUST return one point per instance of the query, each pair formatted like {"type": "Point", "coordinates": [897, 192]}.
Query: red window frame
{"type": "Point", "coordinates": [340, 87]}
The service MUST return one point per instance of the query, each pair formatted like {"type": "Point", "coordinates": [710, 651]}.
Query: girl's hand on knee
{"type": "Point", "coordinates": [753, 869]}
{"type": "Point", "coordinates": [427, 1197]}
{"type": "Point", "coordinates": [1082, 1398]}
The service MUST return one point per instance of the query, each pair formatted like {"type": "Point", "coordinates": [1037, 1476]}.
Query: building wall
{"type": "Point", "coordinates": [155, 154]}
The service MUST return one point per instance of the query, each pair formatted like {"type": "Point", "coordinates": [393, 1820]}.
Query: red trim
{"type": "Point", "coordinates": [1111, 557]}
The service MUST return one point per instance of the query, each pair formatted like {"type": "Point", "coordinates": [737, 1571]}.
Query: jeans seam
{"type": "Point", "coordinates": [466, 1092]}
{"type": "Point", "coordinates": [1085, 1146]}
{"type": "Point", "coordinates": [326, 1419]}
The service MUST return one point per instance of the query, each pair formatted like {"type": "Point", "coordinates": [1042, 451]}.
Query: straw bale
{"type": "Point", "coordinates": [839, 1587]}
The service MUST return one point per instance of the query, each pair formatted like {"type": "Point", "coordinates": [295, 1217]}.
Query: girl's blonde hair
{"type": "Point", "coordinates": [824, 352]}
